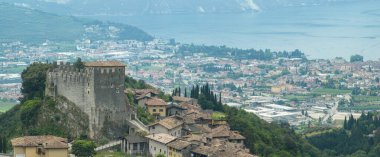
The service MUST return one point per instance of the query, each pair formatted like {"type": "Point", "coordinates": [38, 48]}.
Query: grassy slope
{"type": "Point", "coordinates": [43, 117]}
{"type": "Point", "coordinates": [6, 105]}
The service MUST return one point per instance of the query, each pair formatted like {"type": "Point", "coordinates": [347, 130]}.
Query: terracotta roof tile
{"type": "Point", "coordinates": [179, 144]}
{"type": "Point", "coordinates": [223, 149]}
{"type": "Point", "coordinates": [161, 137]}
{"type": "Point", "coordinates": [155, 102]}
{"type": "Point", "coordinates": [170, 122]}
{"type": "Point", "coordinates": [45, 141]}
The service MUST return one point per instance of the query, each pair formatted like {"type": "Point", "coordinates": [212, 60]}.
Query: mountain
{"type": "Point", "coordinates": [139, 7]}
{"type": "Point", "coordinates": [33, 26]}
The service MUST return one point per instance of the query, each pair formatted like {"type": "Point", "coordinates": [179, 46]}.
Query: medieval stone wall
{"type": "Point", "coordinates": [97, 91]}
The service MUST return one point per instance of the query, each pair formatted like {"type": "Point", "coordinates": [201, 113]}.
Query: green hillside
{"type": "Point", "coordinates": [33, 26]}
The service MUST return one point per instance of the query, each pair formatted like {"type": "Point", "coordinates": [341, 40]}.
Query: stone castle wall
{"type": "Point", "coordinates": [97, 91]}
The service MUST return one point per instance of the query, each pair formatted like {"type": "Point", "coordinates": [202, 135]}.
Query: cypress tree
{"type": "Point", "coordinates": [215, 99]}
{"type": "Point", "coordinates": [196, 92]}
{"type": "Point", "coordinates": [1, 145]}
{"type": "Point", "coordinates": [345, 123]}
{"type": "Point", "coordinates": [220, 98]}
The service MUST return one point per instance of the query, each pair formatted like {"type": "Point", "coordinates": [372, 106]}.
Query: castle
{"type": "Point", "coordinates": [97, 89]}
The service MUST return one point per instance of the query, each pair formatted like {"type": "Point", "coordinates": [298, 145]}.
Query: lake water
{"type": "Point", "coordinates": [318, 31]}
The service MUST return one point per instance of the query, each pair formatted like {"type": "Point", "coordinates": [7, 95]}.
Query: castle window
{"type": "Point", "coordinates": [88, 92]}
{"type": "Point", "coordinates": [88, 84]}
{"type": "Point", "coordinates": [154, 110]}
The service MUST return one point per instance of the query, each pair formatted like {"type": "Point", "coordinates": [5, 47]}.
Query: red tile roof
{"type": "Point", "coordinates": [45, 141]}
{"type": "Point", "coordinates": [155, 102]}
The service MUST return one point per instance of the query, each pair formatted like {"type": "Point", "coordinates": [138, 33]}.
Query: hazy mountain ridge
{"type": "Point", "coordinates": [34, 26]}
{"type": "Point", "coordinates": [138, 7]}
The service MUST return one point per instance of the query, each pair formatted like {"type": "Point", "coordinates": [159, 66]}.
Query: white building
{"type": "Point", "coordinates": [158, 143]}
{"type": "Point", "coordinates": [169, 125]}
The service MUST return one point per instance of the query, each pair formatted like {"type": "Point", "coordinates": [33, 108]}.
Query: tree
{"type": "Point", "coordinates": [33, 80]}
{"type": "Point", "coordinates": [83, 148]}
{"type": "Point", "coordinates": [79, 64]}
{"type": "Point", "coordinates": [160, 155]}
{"type": "Point", "coordinates": [356, 58]}
{"type": "Point", "coordinates": [3, 145]}
{"type": "Point", "coordinates": [375, 151]}
{"type": "Point", "coordinates": [359, 153]}
{"type": "Point", "coordinates": [345, 123]}
{"type": "Point", "coordinates": [356, 91]}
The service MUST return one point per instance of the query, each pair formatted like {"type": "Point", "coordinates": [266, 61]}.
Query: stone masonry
{"type": "Point", "coordinates": [98, 90]}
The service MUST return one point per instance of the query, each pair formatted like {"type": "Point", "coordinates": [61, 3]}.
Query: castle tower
{"type": "Point", "coordinates": [98, 90]}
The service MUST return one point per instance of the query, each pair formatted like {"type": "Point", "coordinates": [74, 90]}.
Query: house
{"type": "Point", "coordinates": [136, 144]}
{"type": "Point", "coordinates": [174, 109]}
{"type": "Point", "coordinates": [179, 148]}
{"type": "Point", "coordinates": [158, 143]}
{"type": "Point", "coordinates": [221, 149]}
{"type": "Point", "coordinates": [156, 107]}
{"type": "Point", "coordinates": [40, 146]}
{"type": "Point", "coordinates": [224, 133]}
{"type": "Point", "coordinates": [143, 95]}
{"type": "Point", "coordinates": [195, 139]}
{"type": "Point", "coordinates": [193, 128]}
{"type": "Point", "coordinates": [169, 125]}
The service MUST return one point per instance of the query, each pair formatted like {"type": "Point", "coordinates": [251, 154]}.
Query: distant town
{"type": "Point", "coordinates": [303, 92]}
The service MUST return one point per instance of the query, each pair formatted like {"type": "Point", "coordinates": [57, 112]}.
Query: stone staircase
{"type": "Point", "coordinates": [108, 145]}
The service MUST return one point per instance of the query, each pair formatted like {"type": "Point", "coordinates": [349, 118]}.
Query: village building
{"type": "Point", "coordinates": [175, 109]}
{"type": "Point", "coordinates": [223, 133]}
{"type": "Point", "coordinates": [221, 149]}
{"type": "Point", "coordinates": [179, 148]}
{"type": "Point", "coordinates": [136, 144]}
{"type": "Point", "coordinates": [143, 95]}
{"type": "Point", "coordinates": [169, 125]}
{"type": "Point", "coordinates": [158, 143]}
{"type": "Point", "coordinates": [156, 107]}
{"type": "Point", "coordinates": [40, 146]}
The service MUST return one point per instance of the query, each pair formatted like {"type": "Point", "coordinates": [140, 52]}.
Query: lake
{"type": "Point", "coordinates": [318, 31]}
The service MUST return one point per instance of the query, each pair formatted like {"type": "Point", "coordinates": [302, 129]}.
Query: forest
{"type": "Point", "coordinates": [358, 137]}
{"type": "Point", "coordinates": [236, 53]}
{"type": "Point", "coordinates": [262, 138]}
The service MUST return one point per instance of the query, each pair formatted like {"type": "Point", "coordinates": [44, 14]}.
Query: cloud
{"type": "Point", "coordinates": [22, 5]}
{"type": "Point", "coordinates": [57, 1]}
{"type": "Point", "coordinates": [249, 5]}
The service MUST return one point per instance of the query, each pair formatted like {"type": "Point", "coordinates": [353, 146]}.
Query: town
{"type": "Point", "coordinates": [309, 95]}
{"type": "Point", "coordinates": [301, 92]}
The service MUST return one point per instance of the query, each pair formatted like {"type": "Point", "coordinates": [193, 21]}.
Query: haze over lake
{"type": "Point", "coordinates": [319, 31]}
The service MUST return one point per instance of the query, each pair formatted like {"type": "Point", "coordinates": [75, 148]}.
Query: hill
{"type": "Point", "coordinates": [40, 117]}
{"type": "Point", "coordinates": [33, 26]}
{"type": "Point", "coordinates": [143, 7]}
